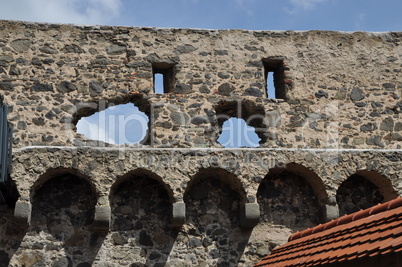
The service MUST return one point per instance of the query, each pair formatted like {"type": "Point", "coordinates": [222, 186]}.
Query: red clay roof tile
{"type": "Point", "coordinates": [366, 233]}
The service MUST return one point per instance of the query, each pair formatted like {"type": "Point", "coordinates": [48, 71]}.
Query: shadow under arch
{"type": "Point", "coordinates": [362, 190]}
{"type": "Point", "coordinates": [141, 205]}
{"type": "Point", "coordinates": [292, 196]}
{"type": "Point", "coordinates": [63, 207]}
{"type": "Point", "coordinates": [54, 172]}
{"type": "Point", "coordinates": [213, 199]}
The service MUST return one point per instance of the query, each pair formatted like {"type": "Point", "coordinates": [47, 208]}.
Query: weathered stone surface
{"type": "Point", "coordinates": [66, 87]}
{"type": "Point", "coordinates": [73, 49]}
{"type": "Point", "coordinates": [116, 50]}
{"type": "Point", "coordinates": [217, 74]}
{"type": "Point", "coordinates": [197, 120]}
{"type": "Point", "coordinates": [183, 89]}
{"type": "Point", "coordinates": [225, 89]}
{"type": "Point", "coordinates": [95, 87]}
{"type": "Point", "coordinates": [6, 86]}
{"type": "Point", "coordinates": [357, 94]}
{"type": "Point", "coordinates": [252, 91]}
{"type": "Point", "coordinates": [369, 127]}
{"type": "Point", "coordinates": [184, 49]}
{"type": "Point", "coordinates": [387, 124]}
{"type": "Point", "coordinates": [42, 88]}
{"type": "Point", "coordinates": [21, 45]}
{"type": "Point", "coordinates": [48, 50]}
{"type": "Point", "coordinates": [321, 93]}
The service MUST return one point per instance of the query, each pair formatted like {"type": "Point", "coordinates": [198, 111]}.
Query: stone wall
{"type": "Point", "coordinates": [338, 90]}
{"type": "Point", "coordinates": [330, 141]}
{"type": "Point", "coordinates": [295, 189]}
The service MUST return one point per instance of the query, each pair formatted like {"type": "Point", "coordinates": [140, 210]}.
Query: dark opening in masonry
{"type": "Point", "coordinates": [274, 78]}
{"type": "Point", "coordinates": [163, 77]}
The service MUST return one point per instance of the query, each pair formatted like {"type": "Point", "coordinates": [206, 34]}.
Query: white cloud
{"type": "Point", "coordinates": [302, 5]}
{"type": "Point", "coordinates": [61, 11]}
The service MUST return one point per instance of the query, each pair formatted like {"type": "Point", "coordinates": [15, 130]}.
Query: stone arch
{"type": "Point", "coordinates": [51, 173]}
{"type": "Point", "coordinates": [226, 176]}
{"type": "Point", "coordinates": [213, 200]}
{"type": "Point", "coordinates": [141, 172]}
{"type": "Point", "coordinates": [63, 208]}
{"type": "Point", "coordinates": [141, 207]}
{"type": "Point", "coordinates": [362, 190]}
{"type": "Point", "coordinates": [292, 195]}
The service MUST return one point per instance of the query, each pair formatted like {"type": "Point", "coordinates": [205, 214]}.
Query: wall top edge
{"type": "Point", "coordinates": [110, 27]}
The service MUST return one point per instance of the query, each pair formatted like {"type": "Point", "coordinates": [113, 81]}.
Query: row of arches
{"type": "Point", "coordinates": [64, 203]}
{"type": "Point", "coordinates": [291, 195]}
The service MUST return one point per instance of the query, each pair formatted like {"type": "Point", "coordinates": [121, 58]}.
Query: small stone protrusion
{"type": "Point", "coordinates": [249, 215]}
{"type": "Point", "coordinates": [22, 213]}
{"type": "Point", "coordinates": [102, 218]}
{"type": "Point", "coordinates": [331, 212]}
{"type": "Point", "coordinates": [178, 214]}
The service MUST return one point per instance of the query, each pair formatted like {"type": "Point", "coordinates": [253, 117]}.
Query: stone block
{"type": "Point", "coordinates": [178, 214]}
{"type": "Point", "coordinates": [102, 218]}
{"type": "Point", "coordinates": [249, 215]}
{"type": "Point", "coordinates": [22, 213]}
{"type": "Point", "coordinates": [331, 212]}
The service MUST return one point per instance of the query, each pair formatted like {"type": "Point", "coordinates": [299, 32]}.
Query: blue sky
{"type": "Point", "coordinates": [340, 15]}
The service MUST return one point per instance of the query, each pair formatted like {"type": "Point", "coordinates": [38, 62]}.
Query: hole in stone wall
{"type": "Point", "coordinates": [286, 198]}
{"type": "Point", "coordinates": [236, 133]}
{"type": "Point", "coordinates": [163, 77]}
{"type": "Point", "coordinates": [120, 124]}
{"type": "Point", "coordinates": [274, 77]}
{"type": "Point", "coordinates": [241, 121]}
{"type": "Point", "coordinates": [357, 193]}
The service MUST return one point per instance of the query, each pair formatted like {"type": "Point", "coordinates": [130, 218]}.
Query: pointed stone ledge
{"type": "Point", "coordinates": [249, 215]}
{"type": "Point", "coordinates": [22, 213]}
{"type": "Point", "coordinates": [102, 218]}
{"type": "Point", "coordinates": [178, 214]}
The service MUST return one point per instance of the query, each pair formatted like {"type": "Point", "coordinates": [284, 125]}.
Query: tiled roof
{"type": "Point", "coordinates": [366, 233]}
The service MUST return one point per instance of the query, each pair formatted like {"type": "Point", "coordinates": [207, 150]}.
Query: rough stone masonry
{"type": "Point", "coordinates": [330, 141]}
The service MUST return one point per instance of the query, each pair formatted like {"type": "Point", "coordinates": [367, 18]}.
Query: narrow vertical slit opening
{"type": "Point", "coordinates": [158, 83]}
{"type": "Point", "coordinates": [270, 86]}
{"type": "Point", "coordinates": [274, 71]}
{"type": "Point", "coordinates": [163, 78]}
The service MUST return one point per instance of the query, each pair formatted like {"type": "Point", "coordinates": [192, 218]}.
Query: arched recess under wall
{"type": "Point", "coordinates": [125, 122]}
{"type": "Point", "coordinates": [213, 199]}
{"type": "Point", "coordinates": [252, 114]}
{"type": "Point", "coordinates": [141, 206]}
{"type": "Point", "coordinates": [291, 196]}
{"type": "Point", "coordinates": [362, 190]}
{"type": "Point", "coordinates": [63, 207]}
